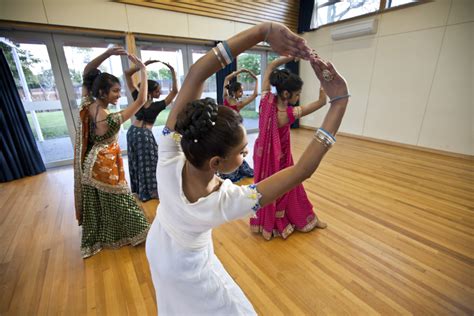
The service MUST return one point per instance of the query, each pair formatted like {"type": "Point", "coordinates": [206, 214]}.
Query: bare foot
{"type": "Point", "coordinates": [319, 224]}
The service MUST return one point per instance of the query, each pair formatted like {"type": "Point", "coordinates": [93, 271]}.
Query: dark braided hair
{"type": "Point", "coordinates": [233, 87]}
{"type": "Point", "coordinates": [283, 80]}
{"type": "Point", "coordinates": [99, 83]}
{"type": "Point", "coordinates": [208, 130]}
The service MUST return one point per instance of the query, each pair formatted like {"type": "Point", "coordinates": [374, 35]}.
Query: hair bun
{"type": "Point", "coordinates": [278, 77]}
{"type": "Point", "coordinates": [89, 78]}
{"type": "Point", "coordinates": [233, 87]}
{"type": "Point", "coordinates": [201, 116]}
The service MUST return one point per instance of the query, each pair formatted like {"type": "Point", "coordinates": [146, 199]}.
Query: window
{"type": "Point", "coordinates": [330, 11]}
{"type": "Point", "coordinates": [30, 62]}
{"type": "Point", "coordinates": [271, 56]}
{"type": "Point", "coordinates": [210, 85]}
{"type": "Point", "coordinates": [250, 60]}
{"type": "Point", "coordinates": [396, 3]}
{"type": "Point", "coordinates": [180, 57]}
{"type": "Point", "coordinates": [173, 54]}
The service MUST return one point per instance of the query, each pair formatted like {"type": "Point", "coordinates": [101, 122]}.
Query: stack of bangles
{"type": "Point", "coordinates": [223, 53]}
{"type": "Point", "coordinates": [324, 137]}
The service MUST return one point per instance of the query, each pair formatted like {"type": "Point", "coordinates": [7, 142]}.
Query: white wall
{"type": "Point", "coordinates": [107, 15]}
{"type": "Point", "coordinates": [412, 82]}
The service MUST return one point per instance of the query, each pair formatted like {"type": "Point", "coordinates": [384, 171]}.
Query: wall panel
{"type": "Point", "coordinates": [251, 12]}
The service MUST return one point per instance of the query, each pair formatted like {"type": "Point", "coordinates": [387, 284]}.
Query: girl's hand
{"type": "Point", "coordinates": [337, 86]}
{"type": "Point", "coordinates": [116, 50]}
{"type": "Point", "coordinates": [134, 59]}
{"type": "Point", "coordinates": [285, 42]}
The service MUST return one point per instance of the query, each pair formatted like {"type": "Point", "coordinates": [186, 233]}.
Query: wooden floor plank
{"type": "Point", "coordinates": [400, 240]}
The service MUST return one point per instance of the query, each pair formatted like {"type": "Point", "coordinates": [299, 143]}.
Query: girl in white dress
{"type": "Point", "coordinates": [188, 277]}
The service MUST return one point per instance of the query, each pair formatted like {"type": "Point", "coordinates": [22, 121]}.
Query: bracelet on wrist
{"type": "Point", "coordinates": [324, 137]}
{"type": "Point", "coordinates": [339, 97]}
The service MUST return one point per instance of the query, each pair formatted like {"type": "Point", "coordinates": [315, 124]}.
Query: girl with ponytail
{"type": "Point", "coordinates": [106, 209]}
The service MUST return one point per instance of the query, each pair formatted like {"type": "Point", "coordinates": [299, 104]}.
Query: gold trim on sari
{"type": "Point", "coordinates": [312, 221]}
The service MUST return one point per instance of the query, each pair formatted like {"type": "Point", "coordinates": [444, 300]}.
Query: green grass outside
{"type": "Point", "coordinates": [53, 124]}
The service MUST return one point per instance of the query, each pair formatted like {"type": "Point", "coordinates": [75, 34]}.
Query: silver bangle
{"type": "Point", "coordinates": [218, 57]}
{"type": "Point", "coordinates": [327, 134]}
{"type": "Point", "coordinates": [339, 98]}
{"type": "Point", "coordinates": [224, 54]}
{"type": "Point", "coordinates": [324, 137]}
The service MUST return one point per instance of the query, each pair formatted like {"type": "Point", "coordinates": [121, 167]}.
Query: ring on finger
{"type": "Point", "coordinates": [327, 75]}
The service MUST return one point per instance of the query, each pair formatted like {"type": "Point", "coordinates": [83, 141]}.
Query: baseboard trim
{"type": "Point", "coordinates": [388, 142]}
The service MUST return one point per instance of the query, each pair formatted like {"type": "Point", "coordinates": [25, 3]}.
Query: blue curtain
{"type": "Point", "coordinates": [19, 156]}
{"type": "Point", "coordinates": [220, 76]}
{"type": "Point", "coordinates": [305, 15]}
{"type": "Point", "coordinates": [294, 67]}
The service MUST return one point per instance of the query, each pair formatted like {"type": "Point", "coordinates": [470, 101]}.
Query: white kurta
{"type": "Point", "coordinates": [188, 277]}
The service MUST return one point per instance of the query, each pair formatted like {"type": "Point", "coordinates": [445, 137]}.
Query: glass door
{"type": "Point", "coordinates": [74, 53]}
{"type": "Point", "coordinates": [172, 54]}
{"type": "Point", "coordinates": [34, 64]}
{"type": "Point", "coordinates": [210, 86]}
{"type": "Point", "coordinates": [256, 63]}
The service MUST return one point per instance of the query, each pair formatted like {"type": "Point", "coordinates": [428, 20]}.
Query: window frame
{"type": "Point", "coordinates": [382, 9]}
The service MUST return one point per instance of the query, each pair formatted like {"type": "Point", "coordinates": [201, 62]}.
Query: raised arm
{"type": "Point", "coordinates": [252, 97]}
{"type": "Point", "coordinates": [95, 63]}
{"type": "Point", "coordinates": [129, 73]}
{"type": "Point", "coordinates": [142, 92]}
{"type": "Point", "coordinates": [174, 89]}
{"type": "Point", "coordinates": [272, 66]}
{"type": "Point", "coordinates": [282, 40]}
{"type": "Point", "coordinates": [313, 106]}
{"type": "Point", "coordinates": [276, 185]}
{"type": "Point", "coordinates": [226, 81]}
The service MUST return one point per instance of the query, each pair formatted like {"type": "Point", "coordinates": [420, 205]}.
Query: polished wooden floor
{"type": "Point", "coordinates": [400, 241]}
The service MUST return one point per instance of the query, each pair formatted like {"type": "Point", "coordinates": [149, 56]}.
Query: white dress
{"type": "Point", "coordinates": [188, 277]}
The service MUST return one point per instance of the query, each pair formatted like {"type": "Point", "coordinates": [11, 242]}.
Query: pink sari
{"type": "Point", "coordinates": [272, 153]}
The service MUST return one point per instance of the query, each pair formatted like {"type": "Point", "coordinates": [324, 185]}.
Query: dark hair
{"type": "Point", "coordinates": [283, 80]}
{"type": "Point", "coordinates": [233, 87]}
{"type": "Point", "coordinates": [99, 83]}
{"type": "Point", "coordinates": [152, 85]}
{"type": "Point", "coordinates": [208, 130]}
